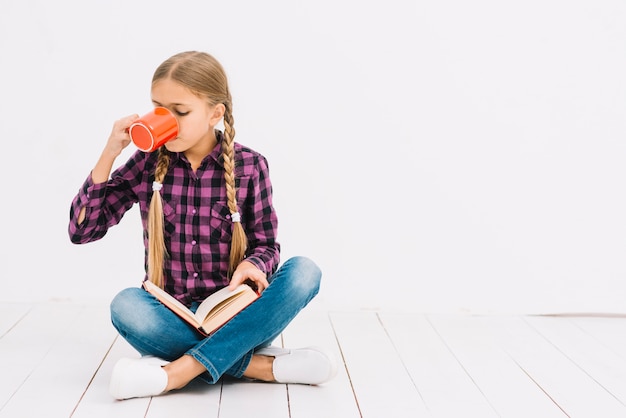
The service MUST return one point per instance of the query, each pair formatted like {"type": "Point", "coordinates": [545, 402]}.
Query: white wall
{"type": "Point", "coordinates": [446, 156]}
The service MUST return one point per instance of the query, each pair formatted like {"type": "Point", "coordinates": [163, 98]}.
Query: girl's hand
{"type": "Point", "coordinates": [248, 271]}
{"type": "Point", "coordinates": [119, 138]}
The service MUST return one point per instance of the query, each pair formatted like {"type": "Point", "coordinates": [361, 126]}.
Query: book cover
{"type": "Point", "coordinates": [213, 312]}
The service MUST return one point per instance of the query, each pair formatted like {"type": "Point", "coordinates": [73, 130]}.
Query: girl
{"type": "Point", "coordinates": [206, 208]}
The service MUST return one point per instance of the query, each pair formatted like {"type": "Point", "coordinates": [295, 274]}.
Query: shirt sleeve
{"type": "Point", "coordinates": [105, 203]}
{"type": "Point", "coordinates": [261, 222]}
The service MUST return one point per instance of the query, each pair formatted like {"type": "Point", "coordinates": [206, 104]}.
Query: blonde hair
{"type": "Point", "coordinates": [204, 75]}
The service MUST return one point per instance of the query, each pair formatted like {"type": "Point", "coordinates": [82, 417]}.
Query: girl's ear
{"type": "Point", "coordinates": [218, 114]}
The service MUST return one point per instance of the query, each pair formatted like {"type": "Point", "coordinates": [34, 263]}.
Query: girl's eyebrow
{"type": "Point", "coordinates": [171, 104]}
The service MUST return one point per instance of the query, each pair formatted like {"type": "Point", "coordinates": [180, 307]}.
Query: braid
{"type": "Point", "coordinates": [156, 237]}
{"type": "Point", "coordinates": [202, 74]}
{"type": "Point", "coordinates": [239, 241]}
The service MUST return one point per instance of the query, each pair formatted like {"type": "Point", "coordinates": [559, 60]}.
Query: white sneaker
{"type": "Point", "coordinates": [136, 378]}
{"type": "Point", "coordinates": [308, 366]}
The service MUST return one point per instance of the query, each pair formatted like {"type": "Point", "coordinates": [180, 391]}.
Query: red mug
{"type": "Point", "coordinates": [153, 129]}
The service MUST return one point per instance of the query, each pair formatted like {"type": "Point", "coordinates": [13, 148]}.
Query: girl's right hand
{"type": "Point", "coordinates": [119, 138]}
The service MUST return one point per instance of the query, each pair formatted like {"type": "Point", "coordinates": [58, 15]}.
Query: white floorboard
{"type": "Point", "coordinates": [58, 358]}
{"type": "Point", "coordinates": [32, 378]}
{"type": "Point", "coordinates": [380, 379]}
{"type": "Point", "coordinates": [197, 400]}
{"type": "Point", "coordinates": [598, 362]}
{"type": "Point", "coordinates": [59, 379]}
{"type": "Point", "coordinates": [608, 331]}
{"type": "Point", "coordinates": [253, 399]}
{"type": "Point", "coordinates": [570, 387]}
{"type": "Point", "coordinates": [333, 399]}
{"type": "Point", "coordinates": [445, 387]}
{"type": "Point", "coordinates": [10, 315]}
{"type": "Point", "coordinates": [97, 403]}
{"type": "Point", "coordinates": [508, 390]}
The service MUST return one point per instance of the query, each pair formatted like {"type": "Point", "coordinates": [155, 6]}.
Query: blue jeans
{"type": "Point", "coordinates": [152, 329]}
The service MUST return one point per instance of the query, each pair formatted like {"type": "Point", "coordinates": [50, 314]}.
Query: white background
{"type": "Point", "coordinates": [437, 156]}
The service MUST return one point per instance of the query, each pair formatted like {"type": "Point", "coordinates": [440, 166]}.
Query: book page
{"type": "Point", "coordinates": [172, 303]}
{"type": "Point", "coordinates": [215, 299]}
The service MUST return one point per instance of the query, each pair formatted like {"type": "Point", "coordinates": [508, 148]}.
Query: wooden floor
{"type": "Point", "coordinates": [57, 358]}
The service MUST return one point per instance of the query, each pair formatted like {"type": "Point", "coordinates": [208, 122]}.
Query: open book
{"type": "Point", "coordinates": [213, 312]}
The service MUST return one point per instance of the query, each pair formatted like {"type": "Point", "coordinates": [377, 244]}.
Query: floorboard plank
{"type": "Point", "coordinates": [444, 385]}
{"type": "Point", "coordinates": [507, 388]}
{"type": "Point", "coordinates": [607, 330]}
{"type": "Point", "coordinates": [98, 403]}
{"type": "Point", "coordinates": [197, 399]}
{"type": "Point", "coordinates": [380, 380]}
{"type": "Point", "coordinates": [69, 365]}
{"type": "Point", "coordinates": [242, 398]}
{"type": "Point", "coordinates": [571, 388]}
{"type": "Point", "coordinates": [599, 362]}
{"type": "Point", "coordinates": [26, 344]}
{"type": "Point", "coordinates": [392, 365]}
{"type": "Point", "coordinates": [11, 314]}
{"type": "Point", "coordinates": [332, 399]}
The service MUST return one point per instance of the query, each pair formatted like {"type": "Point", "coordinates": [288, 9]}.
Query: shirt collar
{"type": "Point", "coordinates": [215, 154]}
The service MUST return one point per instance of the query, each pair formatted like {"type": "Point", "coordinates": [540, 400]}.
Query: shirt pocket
{"type": "Point", "coordinates": [169, 217]}
{"type": "Point", "coordinates": [220, 223]}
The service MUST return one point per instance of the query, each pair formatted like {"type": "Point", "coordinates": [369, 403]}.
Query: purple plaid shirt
{"type": "Point", "coordinates": [197, 220]}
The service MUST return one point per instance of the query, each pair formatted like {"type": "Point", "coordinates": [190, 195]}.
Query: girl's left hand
{"type": "Point", "coordinates": [248, 271]}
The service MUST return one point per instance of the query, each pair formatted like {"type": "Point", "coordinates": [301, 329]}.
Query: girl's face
{"type": "Point", "coordinates": [196, 118]}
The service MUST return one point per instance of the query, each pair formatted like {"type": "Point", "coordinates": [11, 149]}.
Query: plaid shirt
{"type": "Point", "coordinates": [197, 219]}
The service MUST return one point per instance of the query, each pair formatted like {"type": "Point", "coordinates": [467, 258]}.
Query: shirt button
{"type": "Point", "coordinates": [193, 242]}
{"type": "Point", "coordinates": [193, 211]}
{"type": "Point", "coordinates": [195, 275]}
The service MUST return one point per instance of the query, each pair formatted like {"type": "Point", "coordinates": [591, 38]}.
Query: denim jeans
{"type": "Point", "coordinates": [152, 329]}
